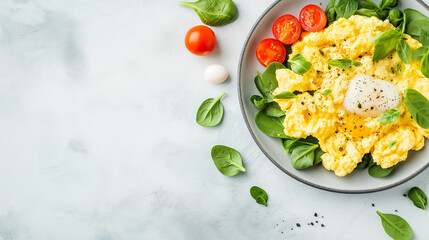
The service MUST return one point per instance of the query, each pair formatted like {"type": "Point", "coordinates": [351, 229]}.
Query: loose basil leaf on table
{"type": "Point", "coordinates": [419, 53]}
{"type": "Point", "coordinates": [385, 43]}
{"type": "Point", "coordinates": [365, 161]}
{"type": "Point", "coordinates": [404, 50]}
{"type": "Point", "coordinates": [395, 226]}
{"type": "Point", "coordinates": [343, 63]}
{"type": "Point", "coordinates": [299, 65]}
{"type": "Point", "coordinates": [377, 171]}
{"type": "Point", "coordinates": [395, 17]}
{"type": "Point", "coordinates": [418, 197]}
{"type": "Point", "coordinates": [227, 160]}
{"type": "Point", "coordinates": [259, 195]}
{"type": "Point", "coordinates": [210, 112]}
{"type": "Point", "coordinates": [258, 101]}
{"type": "Point", "coordinates": [388, 3]}
{"type": "Point", "coordinates": [214, 12]}
{"type": "Point", "coordinates": [389, 116]}
{"type": "Point", "coordinates": [285, 95]}
{"type": "Point", "coordinates": [273, 110]}
{"type": "Point", "coordinates": [345, 8]}
{"type": "Point", "coordinates": [271, 126]}
{"type": "Point", "coordinates": [418, 106]}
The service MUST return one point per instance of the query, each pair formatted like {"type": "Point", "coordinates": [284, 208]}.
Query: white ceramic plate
{"type": "Point", "coordinates": [357, 182]}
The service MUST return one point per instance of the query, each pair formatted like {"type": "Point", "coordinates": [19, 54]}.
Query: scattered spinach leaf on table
{"type": "Point", "coordinates": [214, 12]}
{"type": "Point", "coordinates": [210, 112]}
{"type": "Point", "coordinates": [227, 160]}
{"type": "Point", "coordinates": [395, 226]}
{"type": "Point", "coordinates": [418, 197]}
{"type": "Point", "coordinates": [259, 195]}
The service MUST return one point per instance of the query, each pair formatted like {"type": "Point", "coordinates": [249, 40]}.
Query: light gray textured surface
{"type": "Point", "coordinates": [99, 140]}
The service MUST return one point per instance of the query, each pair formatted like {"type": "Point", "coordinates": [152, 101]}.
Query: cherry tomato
{"type": "Point", "coordinates": [200, 40]}
{"type": "Point", "coordinates": [270, 50]}
{"type": "Point", "coordinates": [312, 18]}
{"type": "Point", "coordinates": [287, 29]}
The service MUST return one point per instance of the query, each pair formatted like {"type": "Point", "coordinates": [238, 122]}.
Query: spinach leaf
{"type": "Point", "coordinates": [385, 43]}
{"type": "Point", "coordinates": [273, 110]}
{"type": "Point", "coordinates": [404, 50]}
{"type": "Point", "coordinates": [365, 161]}
{"type": "Point", "coordinates": [377, 171]}
{"type": "Point", "coordinates": [346, 8]}
{"type": "Point", "coordinates": [259, 195]}
{"type": "Point", "coordinates": [418, 197]}
{"type": "Point", "coordinates": [418, 106]}
{"type": "Point", "coordinates": [272, 126]}
{"type": "Point", "coordinates": [318, 156]}
{"type": "Point", "coordinates": [327, 92]}
{"type": "Point", "coordinates": [285, 95]}
{"type": "Point", "coordinates": [269, 76]}
{"type": "Point", "coordinates": [258, 101]}
{"type": "Point", "coordinates": [260, 86]}
{"type": "Point", "coordinates": [389, 116]}
{"type": "Point", "coordinates": [367, 12]}
{"type": "Point", "coordinates": [395, 226]}
{"type": "Point", "coordinates": [415, 22]}
{"type": "Point", "coordinates": [214, 12]}
{"type": "Point", "coordinates": [424, 37]}
{"type": "Point", "coordinates": [399, 67]}
{"type": "Point", "coordinates": [367, 4]}
{"type": "Point", "coordinates": [419, 53]}
{"type": "Point", "coordinates": [299, 65]}
{"type": "Point", "coordinates": [343, 63]}
{"type": "Point", "coordinates": [303, 156]}
{"type": "Point", "coordinates": [227, 160]}
{"type": "Point", "coordinates": [210, 112]}
{"type": "Point", "coordinates": [424, 68]}
{"type": "Point", "coordinates": [392, 144]}
{"type": "Point", "coordinates": [395, 17]}
{"type": "Point", "coordinates": [290, 143]}
{"type": "Point", "coordinates": [330, 12]}
{"type": "Point", "coordinates": [388, 3]}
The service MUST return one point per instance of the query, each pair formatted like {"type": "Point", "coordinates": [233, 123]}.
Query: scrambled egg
{"type": "Point", "coordinates": [343, 136]}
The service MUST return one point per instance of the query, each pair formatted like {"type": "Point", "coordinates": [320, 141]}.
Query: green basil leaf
{"type": "Point", "coordinates": [385, 43]}
{"type": "Point", "coordinates": [395, 226]}
{"type": "Point", "coordinates": [214, 12]}
{"type": "Point", "coordinates": [424, 68]}
{"type": "Point", "coordinates": [210, 112]}
{"type": "Point", "coordinates": [365, 161]}
{"type": "Point", "coordinates": [392, 144]}
{"type": "Point", "coordinates": [285, 95]}
{"type": "Point", "coordinates": [343, 63]}
{"type": "Point", "coordinates": [388, 3]}
{"type": "Point", "coordinates": [299, 65]}
{"type": "Point", "coordinates": [419, 53]}
{"type": "Point", "coordinates": [389, 116]}
{"type": "Point", "coordinates": [273, 110]}
{"type": "Point", "coordinates": [227, 160]}
{"type": "Point", "coordinates": [415, 22]}
{"type": "Point", "coordinates": [368, 5]}
{"type": "Point", "coordinates": [395, 17]}
{"type": "Point", "coordinates": [346, 8]}
{"type": "Point", "coordinates": [424, 37]}
{"type": "Point", "coordinates": [330, 12]}
{"type": "Point", "coordinates": [404, 50]}
{"type": "Point", "coordinates": [383, 14]}
{"type": "Point", "coordinates": [418, 106]}
{"type": "Point", "coordinates": [399, 67]}
{"type": "Point", "coordinates": [367, 12]}
{"type": "Point", "coordinates": [327, 92]}
{"type": "Point", "coordinates": [318, 156]}
{"type": "Point", "coordinates": [271, 126]}
{"type": "Point", "coordinates": [377, 171]}
{"type": "Point", "coordinates": [418, 197]}
{"type": "Point", "coordinates": [269, 76]}
{"type": "Point", "coordinates": [259, 195]}
{"type": "Point", "coordinates": [303, 156]}
{"type": "Point", "coordinates": [258, 101]}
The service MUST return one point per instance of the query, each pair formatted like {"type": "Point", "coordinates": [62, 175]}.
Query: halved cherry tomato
{"type": "Point", "coordinates": [270, 50]}
{"type": "Point", "coordinates": [312, 18]}
{"type": "Point", "coordinates": [200, 40]}
{"type": "Point", "coordinates": [287, 29]}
